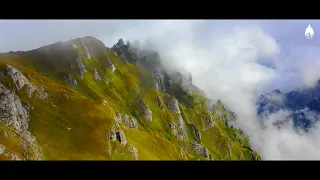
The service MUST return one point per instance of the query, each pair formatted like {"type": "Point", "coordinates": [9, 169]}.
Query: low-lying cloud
{"type": "Point", "coordinates": [235, 61]}
{"type": "Point", "coordinates": [237, 66]}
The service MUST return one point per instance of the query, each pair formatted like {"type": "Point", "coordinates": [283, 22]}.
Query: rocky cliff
{"type": "Point", "coordinates": [81, 100]}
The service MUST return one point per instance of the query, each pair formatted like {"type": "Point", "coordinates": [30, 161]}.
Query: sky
{"type": "Point", "coordinates": [232, 60]}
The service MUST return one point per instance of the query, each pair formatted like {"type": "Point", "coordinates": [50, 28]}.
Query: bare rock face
{"type": "Point", "coordinates": [196, 133]}
{"type": "Point", "coordinates": [21, 81]}
{"type": "Point", "coordinates": [172, 104]}
{"type": "Point", "coordinates": [81, 66]}
{"type": "Point", "coordinates": [160, 102]}
{"type": "Point", "coordinates": [158, 82]}
{"type": "Point", "coordinates": [71, 81]}
{"type": "Point", "coordinates": [128, 120]}
{"type": "Point", "coordinates": [16, 117]}
{"type": "Point", "coordinates": [144, 110]}
{"type": "Point", "coordinates": [199, 149]}
{"type": "Point", "coordinates": [134, 152]}
{"type": "Point", "coordinates": [112, 136]}
{"type": "Point", "coordinates": [13, 113]}
{"type": "Point", "coordinates": [208, 122]}
{"type": "Point", "coordinates": [120, 43]}
{"type": "Point", "coordinates": [96, 74]}
{"type": "Point", "coordinates": [121, 138]}
{"type": "Point", "coordinates": [110, 65]}
{"type": "Point", "coordinates": [86, 50]}
{"type": "Point", "coordinates": [41, 93]}
{"type": "Point", "coordinates": [178, 128]}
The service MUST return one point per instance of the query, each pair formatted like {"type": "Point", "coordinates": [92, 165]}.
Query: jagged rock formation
{"type": "Point", "coordinates": [71, 81]}
{"type": "Point", "coordinates": [144, 110]}
{"type": "Point", "coordinates": [86, 50]}
{"type": "Point", "coordinates": [128, 120]}
{"type": "Point", "coordinates": [145, 59]}
{"type": "Point", "coordinates": [110, 65]}
{"type": "Point", "coordinates": [172, 104]}
{"type": "Point", "coordinates": [121, 137]}
{"type": "Point", "coordinates": [50, 108]}
{"type": "Point", "coordinates": [160, 102]}
{"type": "Point", "coordinates": [178, 128]}
{"type": "Point", "coordinates": [134, 152]}
{"type": "Point", "coordinates": [208, 122]}
{"type": "Point", "coordinates": [13, 113]}
{"type": "Point", "coordinates": [21, 81]}
{"type": "Point", "coordinates": [96, 74]}
{"type": "Point", "coordinates": [81, 66]}
{"type": "Point", "coordinates": [199, 149]}
{"type": "Point", "coordinates": [197, 134]}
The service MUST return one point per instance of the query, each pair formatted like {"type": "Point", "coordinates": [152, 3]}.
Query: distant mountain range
{"type": "Point", "coordinates": [303, 103]}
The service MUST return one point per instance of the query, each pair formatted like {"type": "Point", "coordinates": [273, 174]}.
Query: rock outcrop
{"type": "Point", "coordinates": [96, 74]}
{"type": "Point", "coordinates": [158, 82]}
{"type": "Point", "coordinates": [144, 110]}
{"type": "Point", "coordinates": [110, 65]}
{"type": "Point", "coordinates": [16, 117]}
{"type": "Point", "coordinates": [178, 128]}
{"type": "Point", "coordinates": [13, 113]}
{"type": "Point", "coordinates": [160, 102]}
{"type": "Point", "coordinates": [134, 151]}
{"type": "Point", "coordinates": [172, 104]}
{"type": "Point", "coordinates": [199, 149]}
{"type": "Point", "coordinates": [81, 67]}
{"type": "Point", "coordinates": [128, 120]}
{"type": "Point", "coordinates": [208, 122]}
{"type": "Point", "coordinates": [196, 133]}
{"type": "Point", "coordinates": [121, 137]}
{"type": "Point", "coordinates": [71, 81]}
{"type": "Point", "coordinates": [86, 50]}
{"type": "Point", "coordinates": [21, 81]}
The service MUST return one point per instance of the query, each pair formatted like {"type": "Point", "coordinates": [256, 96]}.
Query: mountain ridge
{"type": "Point", "coordinates": [303, 104]}
{"type": "Point", "coordinates": [82, 100]}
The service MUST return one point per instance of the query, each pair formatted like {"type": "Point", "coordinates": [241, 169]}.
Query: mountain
{"type": "Point", "coordinates": [80, 100]}
{"type": "Point", "coordinates": [303, 104]}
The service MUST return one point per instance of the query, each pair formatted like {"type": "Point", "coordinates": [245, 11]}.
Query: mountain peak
{"type": "Point", "coordinates": [275, 91]}
{"type": "Point", "coordinates": [120, 42]}
{"type": "Point", "coordinates": [86, 101]}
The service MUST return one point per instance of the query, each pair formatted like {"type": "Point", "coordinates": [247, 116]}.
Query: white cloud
{"type": "Point", "coordinates": [224, 58]}
{"type": "Point", "coordinates": [310, 74]}
{"type": "Point", "coordinates": [227, 67]}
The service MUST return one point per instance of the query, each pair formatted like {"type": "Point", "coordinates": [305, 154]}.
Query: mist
{"type": "Point", "coordinates": [237, 66]}
{"type": "Point", "coordinates": [234, 61]}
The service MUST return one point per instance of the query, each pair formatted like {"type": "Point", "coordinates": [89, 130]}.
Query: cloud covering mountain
{"type": "Point", "coordinates": [235, 61]}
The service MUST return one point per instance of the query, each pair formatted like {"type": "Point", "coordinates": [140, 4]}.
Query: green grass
{"type": "Point", "coordinates": [90, 120]}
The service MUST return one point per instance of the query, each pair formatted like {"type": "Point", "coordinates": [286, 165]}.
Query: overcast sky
{"type": "Point", "coordinates": [232, 60]}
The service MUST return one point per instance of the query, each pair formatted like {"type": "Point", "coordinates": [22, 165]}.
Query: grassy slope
{"type": "Point", "coordinates": [82, 110]}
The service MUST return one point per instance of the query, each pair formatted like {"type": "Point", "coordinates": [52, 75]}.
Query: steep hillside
{"type": "Point", "coordinates": [79, 100]}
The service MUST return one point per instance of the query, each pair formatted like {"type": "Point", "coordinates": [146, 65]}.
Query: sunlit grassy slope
{"type": "Point", "coordinates": [73, 123]}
